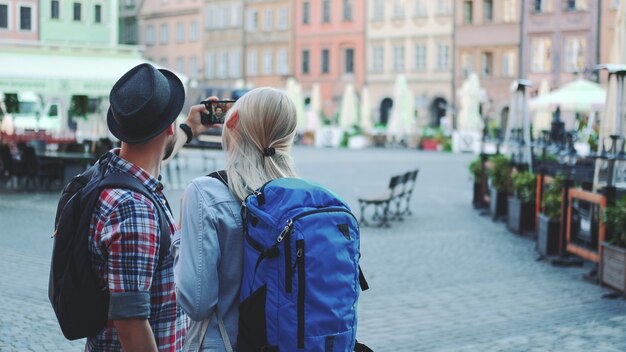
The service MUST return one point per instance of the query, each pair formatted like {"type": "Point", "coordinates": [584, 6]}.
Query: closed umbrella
{"type": "Point", "coordinates": [294, 92]}
{"type": "Point", "coordinates": [315, 108]}
{"type": "Point", "coordinates": [348, 111]}
{"type": "Point", "coordinates": [469, 114]}
{"type": "Point", "coordinates": [401, 121]}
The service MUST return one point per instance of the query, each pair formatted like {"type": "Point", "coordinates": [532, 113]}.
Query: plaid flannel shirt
{"type": "Point", "coordinates": [124, 248]}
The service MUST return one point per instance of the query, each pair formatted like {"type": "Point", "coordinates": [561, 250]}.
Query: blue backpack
{"type": "Point", "coordinates": [301, 277]}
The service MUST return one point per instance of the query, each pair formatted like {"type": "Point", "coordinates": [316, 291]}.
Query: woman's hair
{"type": "Point", "coordinates": [267, 119]}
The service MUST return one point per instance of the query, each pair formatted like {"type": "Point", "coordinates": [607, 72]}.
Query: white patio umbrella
{"type": "Point", "coordinates": [578, 96]}
{"type": "Point", "coordinates": [349, 107]}
{"type": "Point", "coordinates": [366, 111]}
{"type": "Point", "coordinates": [401, 122]}
{"type": "Point", "coordinates": [315, 108]}
{"type": "Point", "coordinates": [611, 122]}
{"type": "Point", "coordinates": [542, 119]}
{"type": "Point", "coordinates": [469, 119]}
{"type": "Point", "coordinates": [294, 91]}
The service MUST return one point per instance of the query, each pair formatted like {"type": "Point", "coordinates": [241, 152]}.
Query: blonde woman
{"type": "Point", "coordinates": [257, 136]}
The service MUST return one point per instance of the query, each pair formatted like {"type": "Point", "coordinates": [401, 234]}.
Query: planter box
{"type": "Point", "coordinates": [614, 266]}
{"type": "Point", "coordinates": [478, 198]}
{"type": "Point", "coordinates": [548, 232]}
{"type": "Point", "coordinates": [430, 144]}
{"type": "Point", "coordinates": [521, 216]}
{"type": "Point", "coordinates": [497, 203]}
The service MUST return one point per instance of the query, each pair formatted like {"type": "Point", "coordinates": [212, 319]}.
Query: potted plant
{"type": "Point", "coordinates": [429, 140]}
{"type": "Point", "coordinates": [500, 176]}
{"type": "Point", "coordinates": [549, 219]}
{"type": "Point", "coordinates": [521, 212]}
{"type": "Point", "coordinates": [614, 248]}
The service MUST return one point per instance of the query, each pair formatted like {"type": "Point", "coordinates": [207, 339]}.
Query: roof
{"type": "Point", "coordinates": [80, 74]}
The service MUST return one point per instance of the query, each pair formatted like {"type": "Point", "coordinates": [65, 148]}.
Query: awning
{"type": "Point", "coordinates": [79, 74]}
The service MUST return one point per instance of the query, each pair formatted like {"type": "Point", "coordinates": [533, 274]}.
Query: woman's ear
{"type": "Point", "coordinates": [233, 119]}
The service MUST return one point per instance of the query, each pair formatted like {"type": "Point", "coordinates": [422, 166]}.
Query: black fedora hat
{"type": "Point", "coordinates": [144, 102]}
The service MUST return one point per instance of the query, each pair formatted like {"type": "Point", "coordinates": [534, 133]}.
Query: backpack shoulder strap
{"type": "Point", "coordinates": [220, 175]}
{"type": "Point", "coordinates": [126, 181]}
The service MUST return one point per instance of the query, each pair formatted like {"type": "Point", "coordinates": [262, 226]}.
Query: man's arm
{"type": "Point", "coordinates": [194, 121]}
{"type": "Point", "coordinates": [135, 335]}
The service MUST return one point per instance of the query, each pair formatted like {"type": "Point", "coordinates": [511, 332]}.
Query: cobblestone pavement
{"type": "Point", "coordinates": [444, 279]}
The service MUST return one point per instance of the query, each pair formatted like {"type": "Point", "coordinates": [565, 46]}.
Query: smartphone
{"type": "Point", "coordinates": [217, 111]}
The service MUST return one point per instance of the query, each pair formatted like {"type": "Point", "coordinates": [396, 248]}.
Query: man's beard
{"type": "Point", "coordinates": [169, 148]}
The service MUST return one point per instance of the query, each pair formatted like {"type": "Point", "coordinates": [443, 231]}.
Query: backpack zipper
{"type": "Point", "coordinates": [301, 288]}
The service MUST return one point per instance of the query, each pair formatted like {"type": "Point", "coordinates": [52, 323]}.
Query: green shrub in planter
{"type": "Point", "coordinates": [476, 169]}
{"type": "Point", "coordinates": [615, 219]}
{"type": "Point", "coordinates": [553, 198]}
{"type": "Point", "coordinates": [500, 172]}
{"type": "Point", "coordinates": [613, 263]}
{"type": "Point", "coordinates": [525, 185]}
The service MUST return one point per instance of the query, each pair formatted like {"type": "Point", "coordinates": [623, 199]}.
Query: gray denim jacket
{"type": "Point", "coordinates": [208, 262]}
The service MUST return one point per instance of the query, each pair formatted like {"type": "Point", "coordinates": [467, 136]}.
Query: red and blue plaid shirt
{"type": "Point", "coordinates": [124, 247]}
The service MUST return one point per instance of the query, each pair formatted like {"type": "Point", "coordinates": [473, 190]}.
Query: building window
{"type": "Point", "coordinates": [378, 61]}
{"type": "Point", "coordinates": [97, 13]}
{"type": "Point", "coordinates": [193, 68]}
{"type": "Point", "coordinates": [54, 10]}
{"type": "Point", "coordinates": [180, 65]}
{"type": "Point", "coordinates": [421, 9]}
{"type": "Point", "coordinates": [253, 21]}
{"type": "Point", "coordinates": [306, 12]}
{"type": "Point", "coordinates": [325, 61]}
{"type": "Point", "coordinates": [222, 65]}
{"type": "Point", "coordinates": [25, 18]}
{"type": "Point", "coordinates": [379, 10]}
{"type": "Point", "coordinates": [267, 62]}
{"type": "Point", "coordinates": [253, 63]}
{"type": "Point", "coordinates": [163, 62]}
{"type": "Point", "coordinates": [268, 20]}
{"type": "Point", "coordinates": [486, 64]}
{"type": "Point", "coordinates": [235, 63]}
{"type": "Point", "coordinates": [509, 64]}
{"type": "Point", "coordinates": [541, 55]}
{"type": "Point", "coordinates": [349, 61]}
{"type": "Point", "coordinates": [305, 62]}
{"type": "Point", "coordinates": [443, 57]}
{"type": "Point", "coordinates": [165, 35]}
{"type": "Point", "coordinates": [347, 10]}
{"type": "Point", "coordinates": [575, 5]}
{"type": "Point", "coordinates": [468, 12]}
{"type": "Point", "coordinates": [180, 32]}
{"type": "Point", "coordinates": [235, 15]}
{"type": "Point", "coordinates": [209, 65]}
{"type": "Point", "coordinates": [398, 9]}
{"type": "Point", "coordinates": [510, 11]}
{"type": "Point", "coordinates": [542, 6]}
{"type": "Point", "coordinates": [467, 63]}
{"type": "Point", "coordinates": [283, 18]}
{"type": "Point", "coordinates": [575, 54]}
{"type": "Point", "coordinates": [420, 57]}
{"type": "Point", "coordinates": [4, 16]}
{"type": "Point", "coordinates": [326, 11]}
{"type": "Point", "coordinates": [283, 65]}
{"type": "Point", "coordinates": [443, 7]}
{"type": "Point", "coordinates": [193, 31]}
{"type": "Point", "coordinates": [488, 11]}
{"type": "Point", "coordinates": [77, 11]}
{"type": "Point", "coordinates": [150, 35]}
{"type": "Point", "coordinates": [398, 58]}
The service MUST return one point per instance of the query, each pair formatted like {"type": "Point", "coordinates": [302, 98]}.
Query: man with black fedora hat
{"type": "Point", "coordinates": [125, 235]}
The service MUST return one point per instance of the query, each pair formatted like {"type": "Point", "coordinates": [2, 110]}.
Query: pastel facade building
{"type": "Point", "coordinates": [19, 20]}
{"type": "Point", "coordinates": [268, 42]}
{"type": "Point", "coordinates": [129, 21]}
{"type": "Point", "coordinates": [79, 22]}
{"type": "Point", "coordinates": [414, 39]}
{"type": "Point", "coordinates": [329, 47]}
{"type": "Point", "coordinates": [560, 40]}
{"type": "Point", "coordinates": [487, 41]}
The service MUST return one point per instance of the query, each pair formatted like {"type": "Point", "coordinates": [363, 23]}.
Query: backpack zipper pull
{"type": "Point", "coordinates": [285, 231]}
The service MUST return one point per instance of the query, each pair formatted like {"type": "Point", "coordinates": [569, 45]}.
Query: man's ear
{"type": "Point", "coordinates": [233, 119]}
{"type": "Point", "coordinates": [171, 129]}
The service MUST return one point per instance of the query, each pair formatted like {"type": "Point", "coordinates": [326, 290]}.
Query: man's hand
{"type": "Point", "coordinates": [194, 118]}
{"type": "Point", "coordinates": [135, 335]}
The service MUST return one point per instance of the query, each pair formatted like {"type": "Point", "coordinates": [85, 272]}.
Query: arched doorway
{"type": "Point", "coordinates": [385, 108]}
{"type": "Point", "coordinates": [438, 109]}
